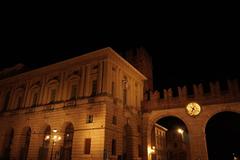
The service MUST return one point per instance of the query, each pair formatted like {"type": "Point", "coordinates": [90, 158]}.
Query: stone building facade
{"type": "Point", "coordinates": [94, 107]}
{"type": "Point", "coordinates": [93, 102]}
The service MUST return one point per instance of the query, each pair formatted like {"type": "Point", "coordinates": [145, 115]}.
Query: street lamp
{"type": "Point", "coordinates": [55, 138]}
{"type": "Point", "coordinates": [180, 131]}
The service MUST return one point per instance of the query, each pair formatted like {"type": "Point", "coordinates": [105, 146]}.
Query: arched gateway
{"type": "Point", "coordinates": [156, 109]}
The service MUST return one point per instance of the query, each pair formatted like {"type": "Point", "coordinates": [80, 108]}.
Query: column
{"type": "Point", "coordinates": [109, 84]}
{"type": "Point", "coordinates": [26, 95]}
{"type": "Point", "coordinates": [198, 146]}
{"type": "Point", "coordinates": [82, 81]}
{"type": "Point", "coordinates": [42, 90]}
{"type": "Point", "coordinates": [106, 77]}
{"type": "Point", "coordinates": [87, 83]}
{"type": "Point", "coordinates": [99, 78]}
{"type": "Point", "coordinates": [60, 88]}
{"type": "Point", "coordinates": [118, 83]}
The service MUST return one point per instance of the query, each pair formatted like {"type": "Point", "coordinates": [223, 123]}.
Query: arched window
{"type": "Point", "coordinates": [7, 144]}
{"type": "Point", "coordinates": [25, 145]}
{"type": "Point", "coordinates": [43, 151]}
{"type": "Point", "coordinates": [67, 145]}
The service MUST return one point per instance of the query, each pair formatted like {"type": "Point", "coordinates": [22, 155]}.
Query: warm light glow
{"type": "Point", "coordinates": [180, 130]}
{"type": "Point", "coordinates": [151, 150]}
{"type": "Point", "coordinates": [47, 137]}
{"type": "Point", "coordinates": [55, 137]}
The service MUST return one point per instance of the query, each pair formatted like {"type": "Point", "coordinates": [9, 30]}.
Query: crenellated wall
{"type": "Point", "coordinates": [155, 101]}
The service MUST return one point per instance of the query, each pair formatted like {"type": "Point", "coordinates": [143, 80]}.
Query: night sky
{"type": "Point", "coordinates": [186, 48]}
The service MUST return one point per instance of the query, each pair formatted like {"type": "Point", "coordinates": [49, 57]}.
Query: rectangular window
{"type": "Point", "coordinates": [124, 96]}
{"type": "Point", "coordinates": [19, 102]}
{"type": "Point", "coordinates": [114, 144]}
{"type": "Point", "coordinates": [87, 148]}
{"type": "Point", "coordinates": [113, 89]}
{"type": "Point", "coordinates": [114, 120]}
{"type": "Point", "coordinates": [53, 95]}
{"type": "Point", "coordinates": [89, 119]}
{"type": "Point", "coordinates": [6, 101]}
{"type": "Point", "coordinates": [73, 92]}
{"type": "Point", "coordinates": [94, 87]}
{"type": "Point", "coordinates": [35, 97]}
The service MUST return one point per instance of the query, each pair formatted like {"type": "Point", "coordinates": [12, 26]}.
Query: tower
{"type": "Point", "coordinates": [141, 59]}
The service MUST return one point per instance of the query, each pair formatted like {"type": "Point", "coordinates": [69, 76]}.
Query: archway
{"type": "Point", "coordinates": [222, 134]}
{"type": "Point", "coordinates": [66, 153]}
{"type": "Point", "coordinates": [43, 150]}
{"type": "Point", "coordinates": [7, 144]}
{"type": "Point", "coordinates": [26, 137]}
{"type": "Point", "coordinates": [169, 139]}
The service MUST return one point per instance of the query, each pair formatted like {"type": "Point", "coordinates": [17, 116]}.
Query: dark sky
{"type": "Point", "coordinates": [185, 48]}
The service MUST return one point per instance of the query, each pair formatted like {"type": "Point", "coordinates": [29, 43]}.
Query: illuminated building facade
{"type": "Point", "coordinates": [93, 102]}
{"type": "Point", "coordinates": [159, 142]}
{"type": "Point", "coordinates": [94, 107]}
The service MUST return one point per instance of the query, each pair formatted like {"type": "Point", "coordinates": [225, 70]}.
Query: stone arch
{"type": "Point", "coordinates": [222, 134]}
{"type": "Point", "coordinates": [65, 124]}
{"type": "Point", "coordinates": [7, 142]}
{"type": "Point", "coordinates": [45, 143]}
{"type": "Point", "coordinates": [219, 110]}
{"type": "Point", "coordinates": [25, 142]}
{"type": "Point", "coordinates": [66, 149]}
{"type": "Point", "coordinates": [157, 115]}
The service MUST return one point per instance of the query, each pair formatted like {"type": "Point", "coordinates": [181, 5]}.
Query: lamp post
{"type": "Point", "coordinates": [54, 137]}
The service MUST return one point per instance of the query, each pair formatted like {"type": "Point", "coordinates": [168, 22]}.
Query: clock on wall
{"type": "Point", "coordinates": [193, 109]}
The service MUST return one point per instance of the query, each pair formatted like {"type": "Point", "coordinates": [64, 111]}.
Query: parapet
{"type": "Point", "coordinates": [212, 94]}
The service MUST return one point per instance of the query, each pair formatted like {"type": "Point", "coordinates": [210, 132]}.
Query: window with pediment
{"type": "Point", "coordinates": [6, 101]}
{"type": "Point", "coordinates": [35, 94]}
{"type": "Point", "coordinates": [18, 99]}
{"type": "Point", "coordinates": [73, 87]}
{"type": "Point", "coordinates": [73, 91]}
{"type": "Point", "coordinates": [94, 87]}
{"type": "Point", "coordinates": [67, 144]}
{"type": "Point", "coordinates": [52, 91]}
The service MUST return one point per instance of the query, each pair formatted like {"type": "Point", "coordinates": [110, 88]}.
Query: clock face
{"type": "Point", "coordinates": [193, 109]}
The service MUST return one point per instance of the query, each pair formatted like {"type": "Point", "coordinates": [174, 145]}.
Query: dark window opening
{"type": "Point", "coordinates": [87, 148]}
